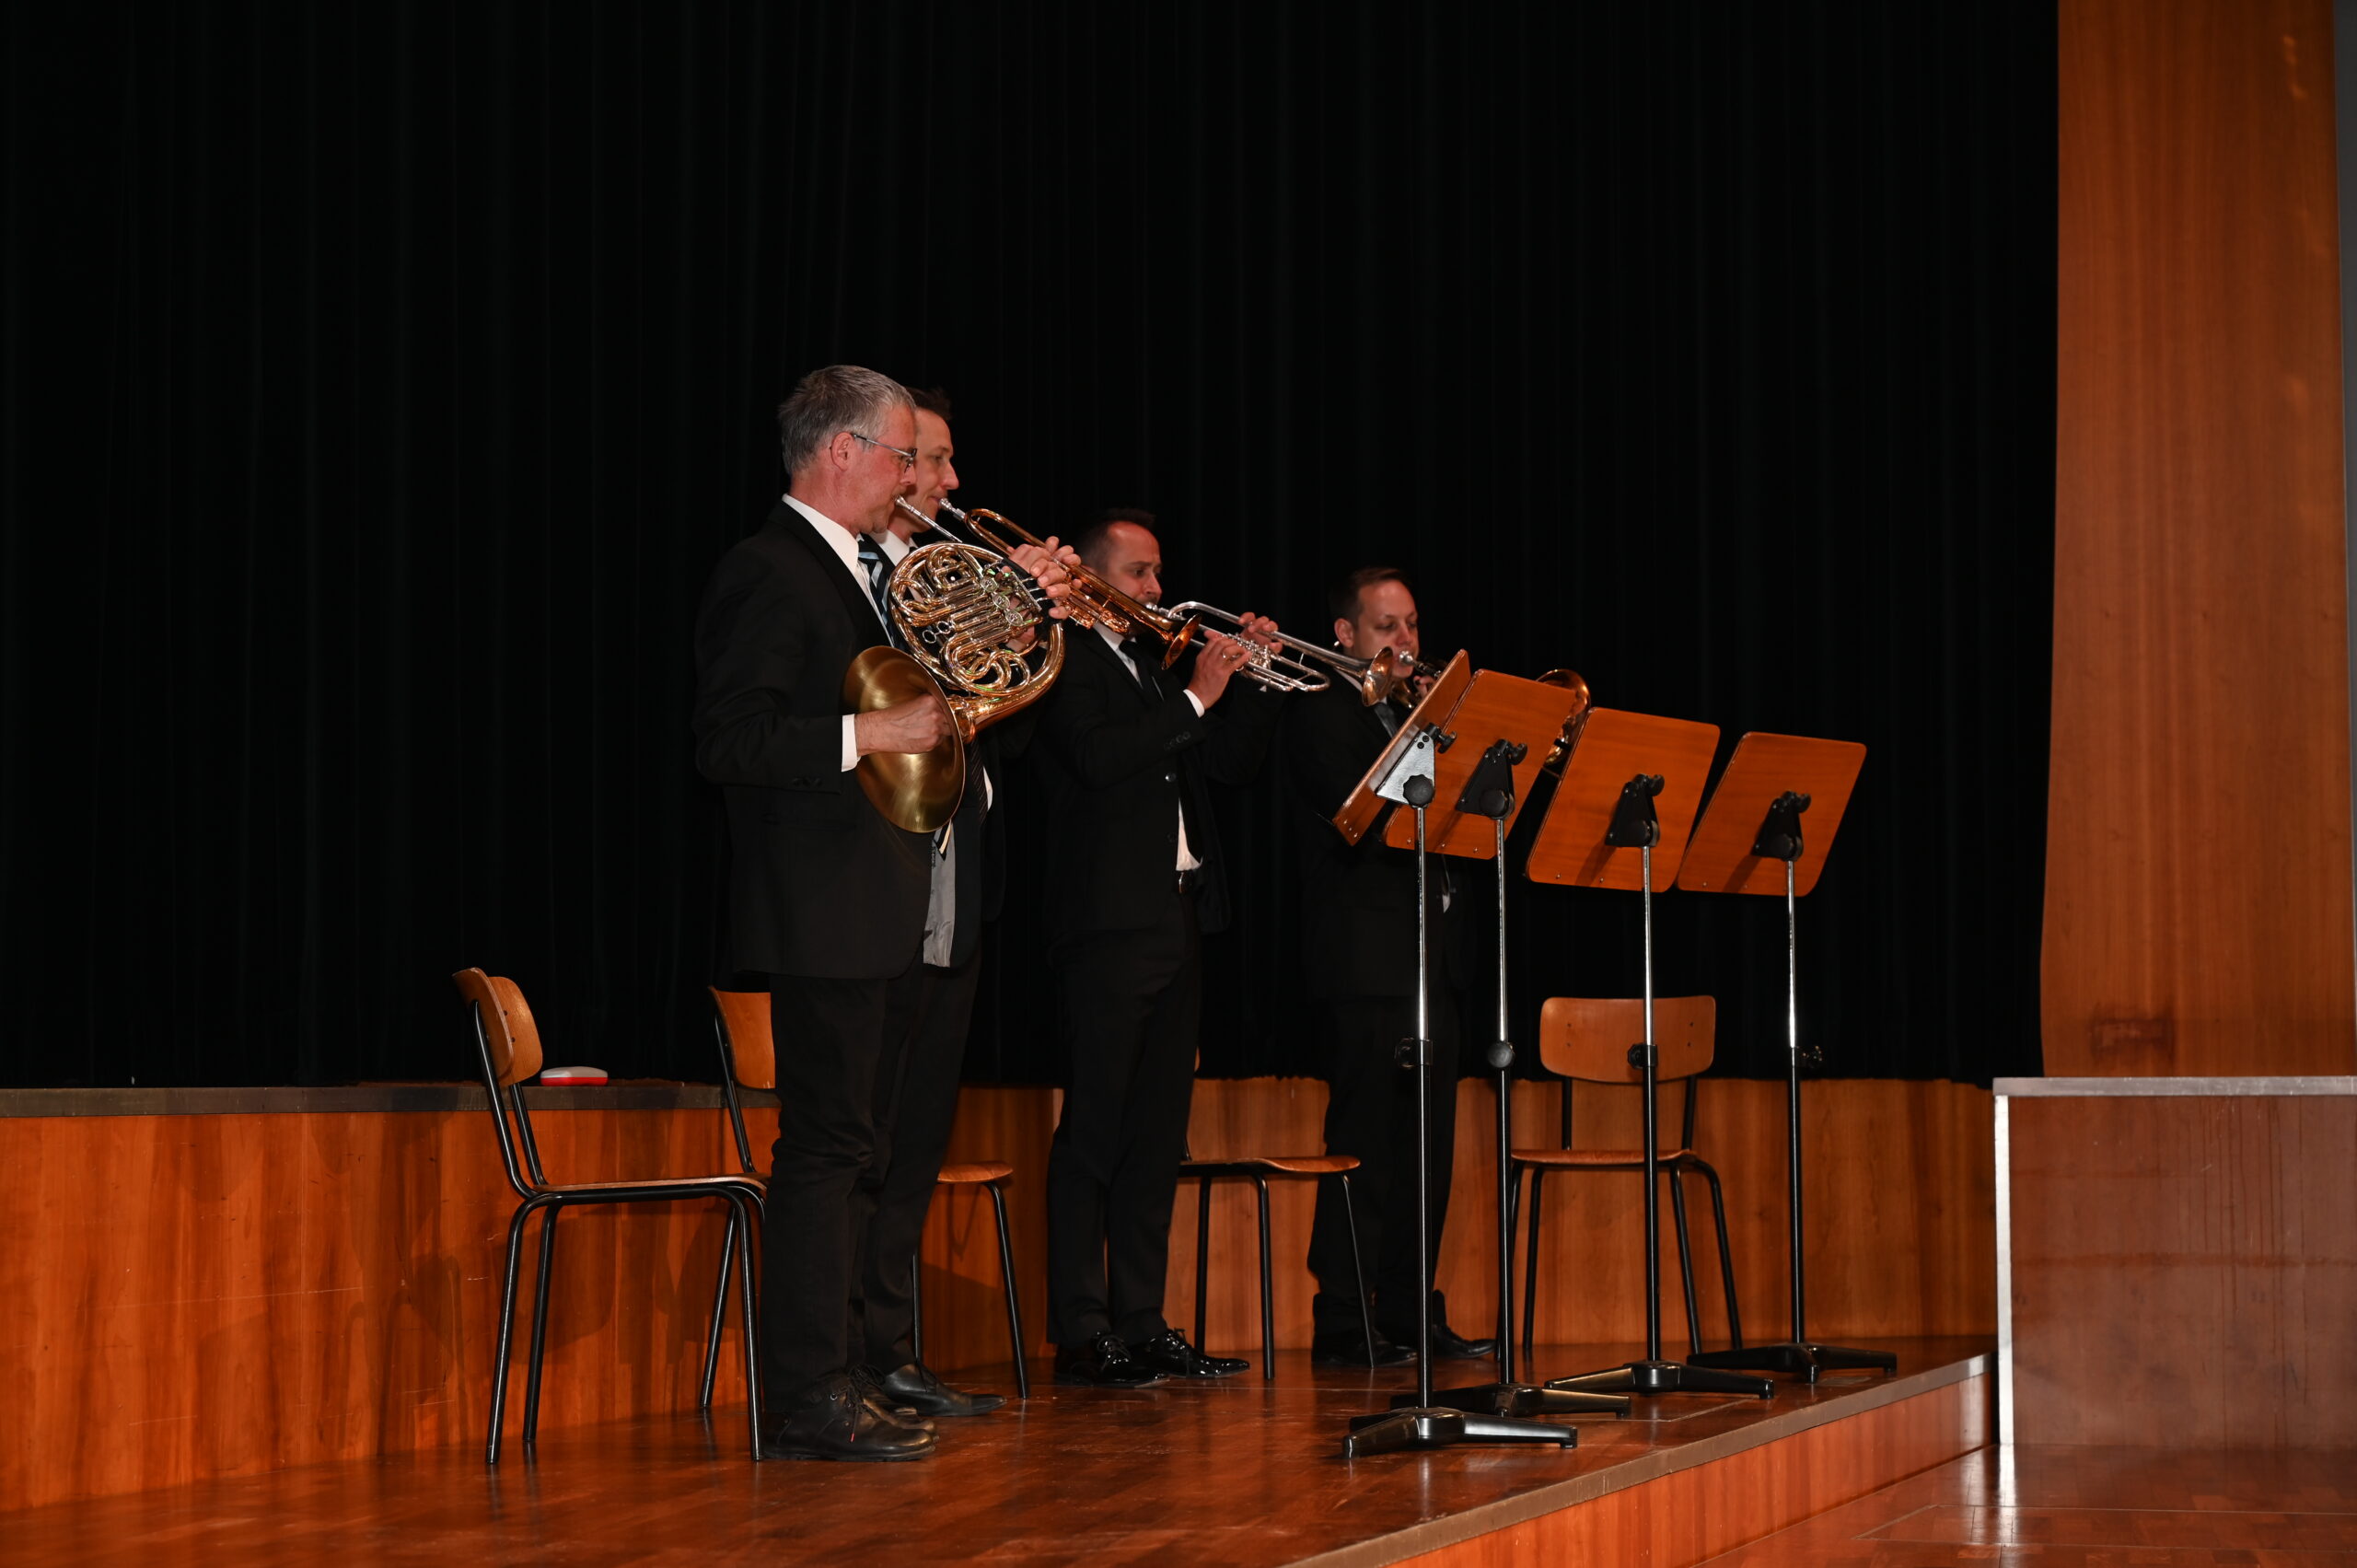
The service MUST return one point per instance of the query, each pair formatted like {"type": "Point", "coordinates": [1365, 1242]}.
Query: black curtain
{"type": "Point", "coordinates": [381, 379]}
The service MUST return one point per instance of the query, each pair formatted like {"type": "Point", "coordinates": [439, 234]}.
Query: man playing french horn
{"type": "Point", "coordinates": [828, 898]}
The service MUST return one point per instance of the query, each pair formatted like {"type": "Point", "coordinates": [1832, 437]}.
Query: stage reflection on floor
{"type": "Point", "coordinates": [1236, 1472]}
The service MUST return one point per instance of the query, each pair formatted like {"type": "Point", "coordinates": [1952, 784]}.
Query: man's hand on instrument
{"type": "Point", "coordinates": [912, 726]}
{"type": "Point", "coordinates": [1258, 628]}
{"type": "Point", "coordinates": [1045, 564]}
{"type": "Point", "coordinates": [1222, 657]}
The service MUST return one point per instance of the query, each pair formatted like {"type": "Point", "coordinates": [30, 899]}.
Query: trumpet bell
{"type": "Point", "coordinates": [915, 790]}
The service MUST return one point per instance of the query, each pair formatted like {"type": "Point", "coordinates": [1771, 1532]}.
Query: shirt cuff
{"type": "Point", "coordinates": [851, 742]}
{"type": "Point", "coordinates": [1198, 702]}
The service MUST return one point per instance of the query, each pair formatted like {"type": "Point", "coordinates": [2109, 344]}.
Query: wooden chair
{"type": "Point", "coordinates": [509, 1043]}
{"type": "Point", "coordinates": [1586, 1040]}
{"type": "Point", "coordinates": [1259, 1169]}
{"type": "Point", "coordinates": [749, 1060]}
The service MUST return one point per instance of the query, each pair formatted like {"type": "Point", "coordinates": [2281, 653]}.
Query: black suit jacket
{"type": "Point", "coordinates": [1358, 902]}
{"type": "Point", "coordinates": [819, 883]}
{"type": "Point", "coordinates": [1118, 760]}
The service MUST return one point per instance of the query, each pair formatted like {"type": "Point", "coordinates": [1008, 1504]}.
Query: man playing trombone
{"type": "Point", "coordinates": [1132, 748]}
{"type": "Point", "coordinates": [1359, 952]}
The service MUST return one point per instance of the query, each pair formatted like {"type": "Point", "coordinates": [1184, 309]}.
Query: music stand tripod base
{"type": "Point", "coordinates": [1802, 1361]}
{"type": "Point", "coordinates": [1664, 1377]}
{"type": "Point", "coordinates": [1397, 1431]}
{"type": "Point", "coordinates": [1522, 1398]}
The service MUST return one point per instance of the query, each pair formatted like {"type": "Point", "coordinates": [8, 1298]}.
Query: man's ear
{"type": "Point", "coordinates": [1343, 637]}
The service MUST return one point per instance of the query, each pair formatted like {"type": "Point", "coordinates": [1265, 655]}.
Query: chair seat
{"type": "Point", "coordinates": [975, 1173]}
{"type": "Point", "coordinates": [583, 1189]}
{"type": "Point", "coordinates": [1595, 1159]}
{"type": "Point", "coordinates": [1284, 1165]}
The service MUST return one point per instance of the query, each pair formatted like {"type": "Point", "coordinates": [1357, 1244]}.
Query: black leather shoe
{"type": "Point", "coordinates": [1169, 1354]}
{"type": "Point", "coordinates": [914, 1388]}
{"type": "Point", "coordinates": [886, 1404]}
{"type": "Point", "coordinates": [1448, 1343]}
{"type": "Point", "coordinates": [831, 1420]}
{"type": "Point", "coordinates": [1348, 1348]}
{"type": "Point", "coordinates": [1103, 1363]}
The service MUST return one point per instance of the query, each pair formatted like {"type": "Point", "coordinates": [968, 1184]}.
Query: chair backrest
{"type": "Point", "coordinates": [1588, 1038]}
{"type": "Point", "coordinates": [511, 1052]}
{"type": "Point", "coordinates": [745, 1025]}
{"type": "Point", "coordinates": [508, 1031]}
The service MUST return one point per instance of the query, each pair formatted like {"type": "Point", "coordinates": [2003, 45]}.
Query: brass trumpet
{"type": "Point", "coordinates": [1093, 601]}
{"type": "Point", "coordinates": [1573, 724]}
{"type": "Point", "coordinates": [1265, 665]}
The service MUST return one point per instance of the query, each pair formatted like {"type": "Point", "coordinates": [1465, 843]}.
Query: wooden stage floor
{"type": "Point", "coordinates": [1240, 1472]}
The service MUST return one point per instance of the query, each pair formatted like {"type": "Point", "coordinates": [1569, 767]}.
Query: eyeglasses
{"type": "Point", "coordinates": [907, 454]}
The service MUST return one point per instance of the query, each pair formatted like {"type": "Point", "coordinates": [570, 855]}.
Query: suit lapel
{"type": "Point", "coordinates": [797, 528]}
{"type": "Point", "coordinates": [1149, 698]}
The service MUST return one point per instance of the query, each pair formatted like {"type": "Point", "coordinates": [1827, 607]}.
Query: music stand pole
{"type": "Point", "coordinates": [1779, 839]}
{"type": "Point", "coordinates": [1635, 823]}
{"type": "Point", "coordinates": [1423, 1425]}
{"type": "Point", "coordinates": [1490, 794]}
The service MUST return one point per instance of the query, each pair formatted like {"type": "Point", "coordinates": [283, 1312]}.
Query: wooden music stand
{"type": "Point", "coordinates": [1435, 757]}
{"type": "Point", "coordinates": [1753, 822]}
{"type": "Point", "coordinates": [1632, 783]}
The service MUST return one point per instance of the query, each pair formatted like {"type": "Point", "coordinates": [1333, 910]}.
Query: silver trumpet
{"type": "Point", "coordinates": [1293, 667]}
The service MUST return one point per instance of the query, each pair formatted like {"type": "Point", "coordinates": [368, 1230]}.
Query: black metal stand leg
{"type": "Point", "coordinates": [1358, 1270]}
{"type": "Point", "coordinates": [719, 1309]}
{"type": "Point", "coordinates": [1267, 1289]}
{"type": "Point", "coordinates": [541, 1294]}
{"type": "Point", "coordinates": [1014, 1297]}
{"type": "Point", "coordinates": [507, 1329]}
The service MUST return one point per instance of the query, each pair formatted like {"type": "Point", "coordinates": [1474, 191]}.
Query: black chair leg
{"type": "Point", "coordinates": [916, 1304]}
{"type": "Point", "coordinates": [1530, 1264]}
{"type": "Point", "coordinates": [507, 1329]}
{"type": "Point", "coordinates": [1726, 1253]}
{"type": "Point", "coordinates": [1202, 1256]}
{"type": "Point", "coordinates": [1268, 1290]}
{"type": "Point", "coordinates": [541, 1294]}
{"type": "Point", "coordinates": [719, 1309]}
{"type": "Point", "coordinates": [1358, 1272]}
{"type": "Point", "coordinates": [748, 1218]}
{"type": "Point", "coordinates": [1014, 1299]}
{"type": "Point", "coordinates": [1677, 1175]}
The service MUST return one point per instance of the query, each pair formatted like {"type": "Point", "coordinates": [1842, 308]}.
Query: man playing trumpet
{"type": "Point", "coordinates": [1131, 749]}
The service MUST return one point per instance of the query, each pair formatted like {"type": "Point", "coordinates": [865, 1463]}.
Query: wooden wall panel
{"type": "Point", "coordinates": [1902, 1205]}
{"type": "Point", "coordinates": [1693, 1515]}
{"type": "Point", "coordinates": [2185, 1271]}
{"type": "Point", "coordinates": [261, 1291]}
{"type": "Point", "coordinates": [2197, 903]}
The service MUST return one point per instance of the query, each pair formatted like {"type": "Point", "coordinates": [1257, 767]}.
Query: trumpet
{"type": "Point", "coordinates": [1093, 602]}
{"type": "Point", "coordinates": [1571, 681]}
{"type": "Point", "coordinates": [1388, 676]}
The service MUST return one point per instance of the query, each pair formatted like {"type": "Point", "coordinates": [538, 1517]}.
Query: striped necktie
{"type": "Point", "coordinates": [879, 572]}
